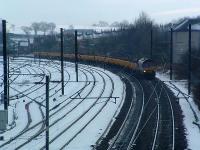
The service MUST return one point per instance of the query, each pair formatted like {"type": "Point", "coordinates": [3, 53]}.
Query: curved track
{"type": "Point", "coordinates": [58, 112]}
{"type": "Point", "coordinates": [149, 123]}
{"type": "Point", "coordinates": [149, 113]}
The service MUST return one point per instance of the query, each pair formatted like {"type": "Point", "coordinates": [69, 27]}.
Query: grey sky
{"type": "Point", "coordinates": [87, 12]}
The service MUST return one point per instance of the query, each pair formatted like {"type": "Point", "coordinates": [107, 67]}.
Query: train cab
{"type": "Point", "coordinates": [146, 67]}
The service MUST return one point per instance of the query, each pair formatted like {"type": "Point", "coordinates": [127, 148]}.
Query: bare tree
{"type": "Point", "coordinates": [71, 27]}
{"type": "Point", "coordinates": [94, 25]}
{"type": "Point", "coordinates": [44, 27]}
{"type": "Point", "coordinates": [36, 27]}
{"type": "Point", "coordinates": [143, 19]}
{"type": "Point", "coordinates": [11, 28]}
{"type": "Point", "coordinates": [103, 24]}
{"type": "Point", "coordinates": [51, 27]}
{"type": "Point", "coordinates": [124, 24]}
{"type": "Point", "coordinates": [115, 24]}
{"type": "Point", "coordinates": [27, 30]}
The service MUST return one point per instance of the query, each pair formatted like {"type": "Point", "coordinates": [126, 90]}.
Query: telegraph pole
{"type": "Point", "coordinates": [189, 60]}
{"type": "Point", "coordinates": [5, 65]}
{"type": "Point", "coordinates": [8, 83]}
{"type": "Point", "coordinates": [47, 112]}
{"type": "Point", "coordinates": [8, 98]}
{"type": "Point", "coordinates": [39, 59]}
{"type": "Point", "coordinates": [18, 47]}
{"type": "Point", "coordinates": [171, 53]}
{"type": "Point", "coordinates": [151, 48]}
{"type": "Point", "coordinates": [76, 56]}
{"type": "Point", "coordinates": [62, 51]}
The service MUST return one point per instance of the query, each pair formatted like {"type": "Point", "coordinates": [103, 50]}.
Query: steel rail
{"type": "Point", "coordinates": [42, 129]}
{"type": "Point", "coordinates": [139, 120]}
{"type": "Point", "coordinates": [126, 118]}
{"type": "Point", "coordinates": [76, 120]}
{"type": "Point", "coordinates": [158, 119]}
{"type": "Point", "coordinates": [25, 130]}
{"type": "Point", "coordinates": [173, 122]}
{"type": "Point", "coordinates": [98, 112]}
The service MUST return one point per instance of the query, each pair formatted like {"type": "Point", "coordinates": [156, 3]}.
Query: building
{"type": "Point", "coordinates": [19, 43]}
{"type": "Point", "coordinates": [181, 38]}
{"type": "Point", "coordinates": [80, 31]}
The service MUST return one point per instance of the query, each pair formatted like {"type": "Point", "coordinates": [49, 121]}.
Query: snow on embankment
{"type": "Point", "coordinates": [190, 111]}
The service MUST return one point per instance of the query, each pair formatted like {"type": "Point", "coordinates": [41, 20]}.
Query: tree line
{"type": "Point", "coordinates": [135, 42]}
{"type": "Point", "coordinates": [36, 27]}
{"type": "Point", "coordinates": [130, 41]}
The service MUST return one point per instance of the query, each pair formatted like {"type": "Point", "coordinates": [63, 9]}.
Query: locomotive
{"type": "Point", "coordinates": [146, 67]}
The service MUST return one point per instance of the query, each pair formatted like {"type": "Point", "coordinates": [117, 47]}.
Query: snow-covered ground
{"type": "Point", "coordinates": [189, 108]}
{"type": "Point", "coordinates": [78, 122]}
{"type": "Point", "coordinates": [69, 116]}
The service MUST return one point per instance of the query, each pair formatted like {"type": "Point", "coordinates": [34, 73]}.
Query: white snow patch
{"type": "Point", "coordinates": [192, 131]}
{"type": "Point", "coordinates": [18, 112]}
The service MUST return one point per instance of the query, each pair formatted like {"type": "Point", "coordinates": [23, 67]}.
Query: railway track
{"type": "Point", "coordinates": [135, 111]}
{"type": "Point", "coordinates": [149, 118]}
{"type": "Point", "coordinates": [78, 132]}
{"type": "Point", "coordinates": [29, 90]}
{"type": "Point", "coordinates": [160, 126]}
{"type": "Point", "coordinates": [10, 76]}
{"type": "Point", "coordinates": [95, 115]}
{"type": "Point", "coordinates": [80, 116]}
{"type": "Point", "coordinates": [154, 125]}
{"type": "Point", "coordinates": [24, 130]}
{"type": "Point", "coordinates": [55, 120]}
{"type": "Point", "coordinates": [166, 125]}
{"type": "Point", "coordinates": [29, 129]}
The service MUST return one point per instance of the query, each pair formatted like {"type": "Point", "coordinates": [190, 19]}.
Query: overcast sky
{"type": "Point", "coordinates": [87, 12]}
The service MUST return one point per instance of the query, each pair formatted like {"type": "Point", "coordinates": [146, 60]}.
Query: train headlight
{"type": "Point", "coordinates": [144, 70]}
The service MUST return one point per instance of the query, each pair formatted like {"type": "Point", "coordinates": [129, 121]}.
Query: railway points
{"type": "Point", "coordinates": [32, 133]}
{"type": "Point", "coordinates": [147, 115]}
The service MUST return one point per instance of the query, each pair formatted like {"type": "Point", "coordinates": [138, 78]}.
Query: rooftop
{"type": "Point", "coordinates": [183, 26]}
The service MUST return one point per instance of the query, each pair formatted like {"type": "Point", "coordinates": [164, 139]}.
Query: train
{"type": "Point", "coordinates": [144, 66]}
